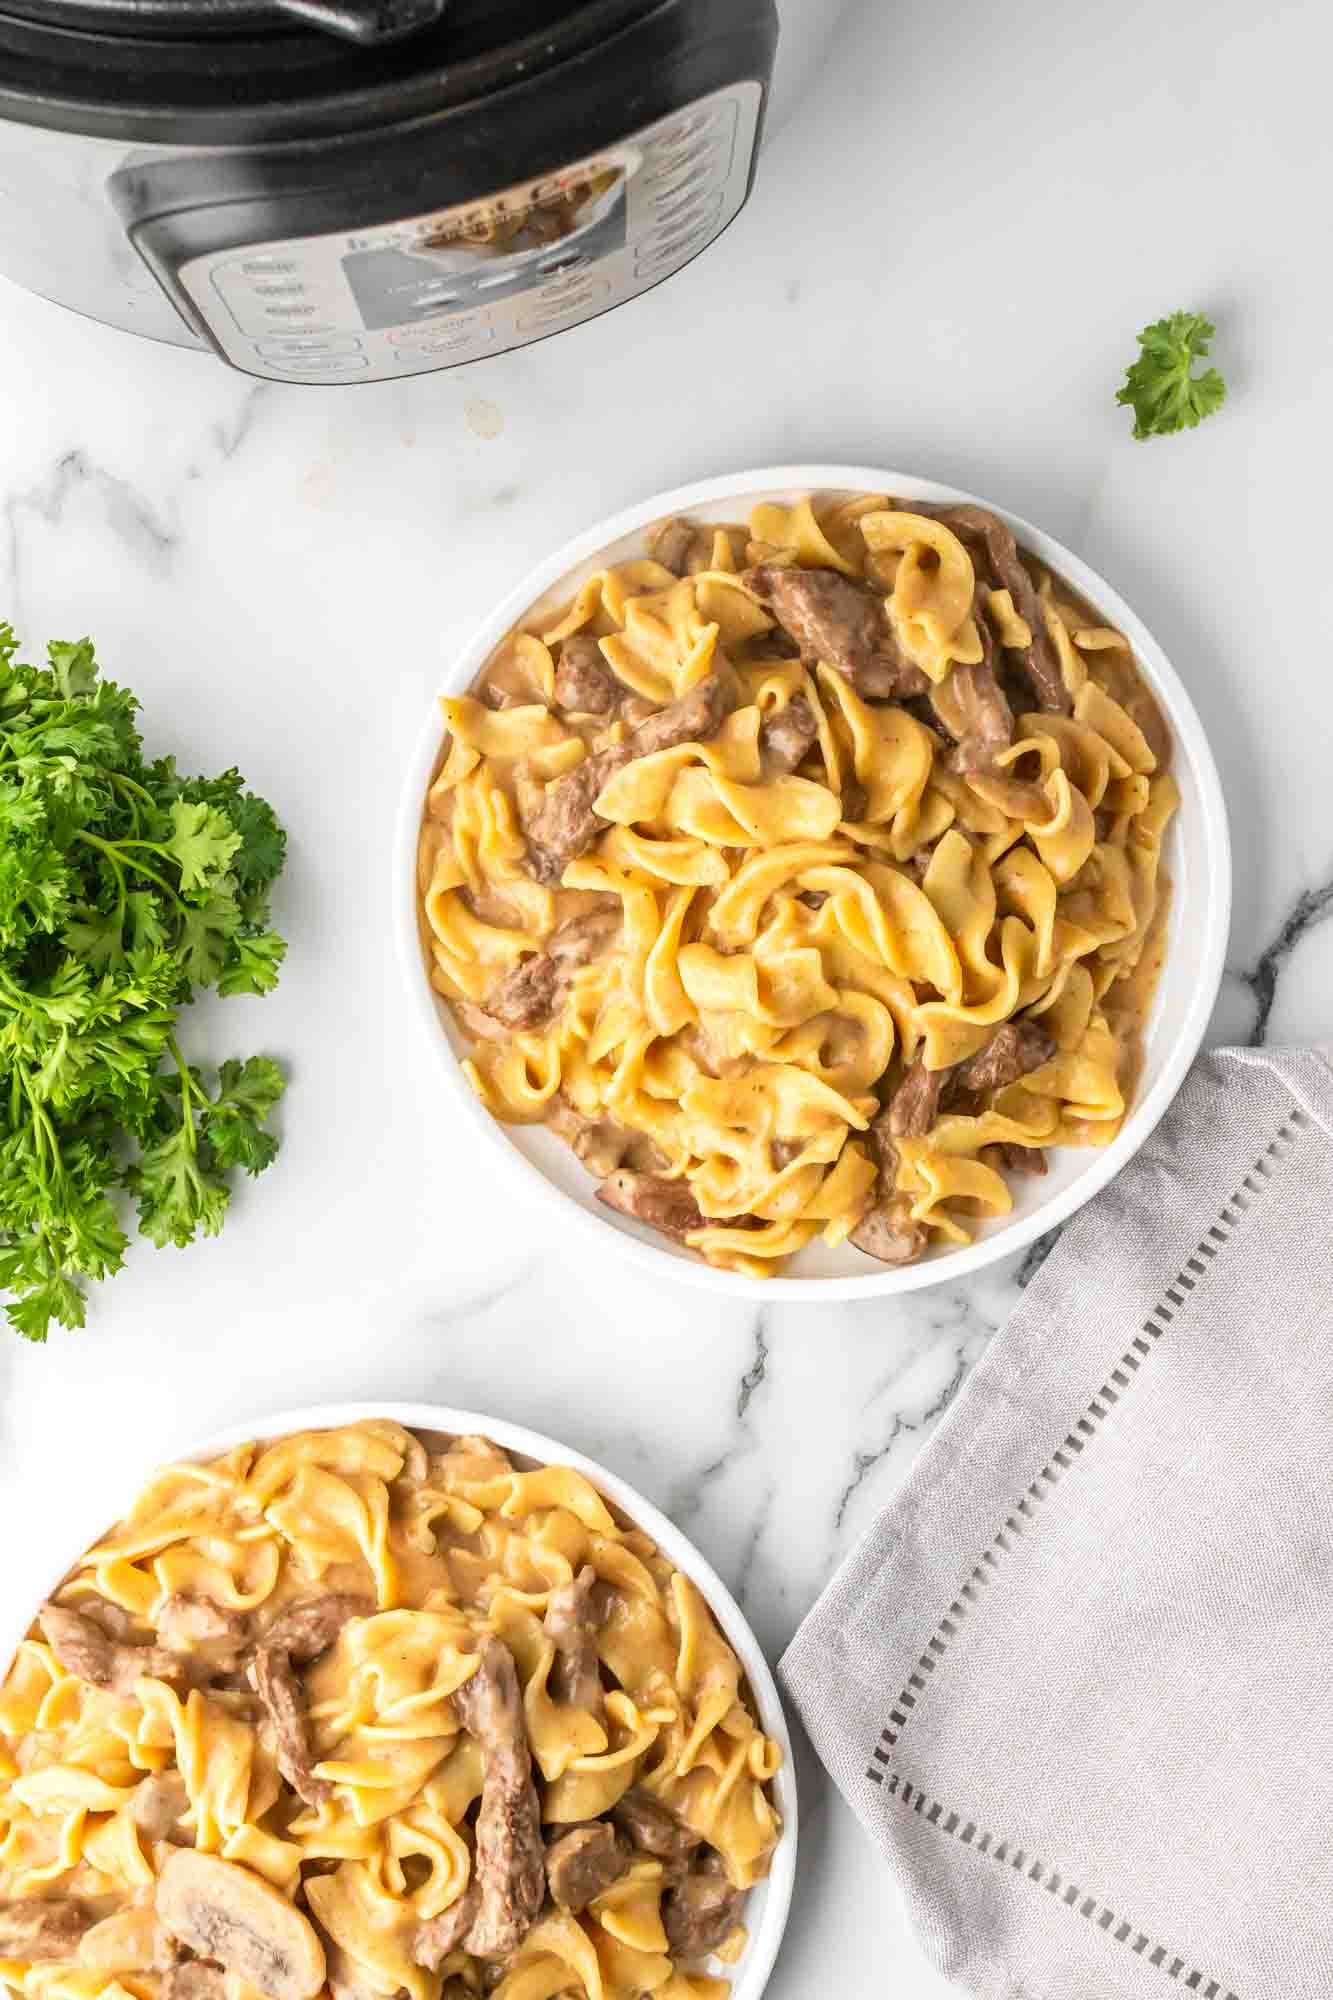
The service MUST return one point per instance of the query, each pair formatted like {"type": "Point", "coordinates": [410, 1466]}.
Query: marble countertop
{"type": "Point", "coordinates": [951, 245]}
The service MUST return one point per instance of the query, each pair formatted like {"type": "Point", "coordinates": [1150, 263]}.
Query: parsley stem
{"type": "Point", "coordinates": [41, 1123]}
{"type": "Point", "coordinates": [125, 784]}
{"type": "Point", "coordinates": [187, 1091]}
{"type": "Point", "coordinates": [112, 850]}
{"type": "Point", "coordinates": [133, 793]}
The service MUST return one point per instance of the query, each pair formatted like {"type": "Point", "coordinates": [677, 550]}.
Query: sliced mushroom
{"type": "Point", "coordinates": [193, 1979]}
{"type": "Point", "coordinates": [225, 1912]}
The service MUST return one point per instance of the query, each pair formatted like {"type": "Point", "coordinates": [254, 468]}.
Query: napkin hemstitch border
{"type": "Point", "coordinates": [1010, 1854]}
{"type": "Point", "coordinates": [1082, 1431]}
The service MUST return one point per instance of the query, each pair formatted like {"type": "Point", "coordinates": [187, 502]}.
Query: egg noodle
{"type": "Point", "coordinates": [783, 945]}
{"type": "Point", "coordinates": [138, 1690]}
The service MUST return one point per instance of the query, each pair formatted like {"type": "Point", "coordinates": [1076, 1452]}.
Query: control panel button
{"type": "Point", "coordinates": [551, 305]}
{"type": "Point", "coordinates": [318, 364]}
{"type": "Point", "coordinates": [687, 204]}
{"type": "Point", "coordinates": [288, 346]}
{"type": "Point", "coordinates": [675, 240]}
{"type": "Point", "coordinates": [700, 156]}
{"type": "Point", "coordinates": [688, 127]}
{"type": "Point", "coordinates": [414, 343]}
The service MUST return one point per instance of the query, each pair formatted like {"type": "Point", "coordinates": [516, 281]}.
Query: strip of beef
{"type": "Point", "coordinates": [653, 1828]}
{"type": "Point", "coordinates": [984, 534]}
{"type": "Point", "coordinates": [686, 547]}
{"type": "Point", "coordinates": [510, 1863]}
{"type": "Point", "coordinates": [971, 705]}
{"type": "Point", "coordinates": [533, 991]}
{"type": "Point", "coordinates": [583, 1863]}
{"type": "Point", "coordinates": [673, 545]}
{"type": "Point", "coordinates": [564, 825]}
{"type": "Point", "coordinates": [275, 1681]}
{"type": "Point", "coordinates": [84, 1649]}
{"type": "Point", "coordinates": [841, 621]}
{"type": "Point", "coordinates": [787, 735]}
{"type": "Point", "coordinates": [435, 1939]}
{"type": "Point", "coordinates": [526, 996]}
{"type": "Point", "coordinates": [1014, 1050]}
{"type": "Point", "coordinates": [296, 1637]}
{"type": "Point", "coordinates": [699, 1913]}
{"type": "Point", "coordinates": [1008, 1158]}
{"type": "Point", "coordinates": [888, 1233]}
{"type": "Point", "coordinates": [42, 1933]}
{"type": "Point", "coordinates": [915, 1104]}
{"type": "Point", "coordinates": [663, 1204]}
{"type": "Point", "coordinates": [571, 1624]}
{"type": "Point", "coordinates": [305, 1630]}
{"type": "Point", "coordinates": [583, 680]}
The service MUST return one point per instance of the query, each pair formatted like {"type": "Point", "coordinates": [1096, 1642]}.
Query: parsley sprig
{"type": "Point", "coordinates": [1161, 387]}
{"type": "Point", "coordinates": [124, 888]}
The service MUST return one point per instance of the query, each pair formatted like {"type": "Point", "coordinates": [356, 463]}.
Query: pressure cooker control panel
{"type": "Point", "coordinates": [464, 282]}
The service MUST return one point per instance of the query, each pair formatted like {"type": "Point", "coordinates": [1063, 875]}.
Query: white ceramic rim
{"type": "Point", "coordinates": [774, 1894]}
{"type": "Point", "coordinates": [1212, 915]}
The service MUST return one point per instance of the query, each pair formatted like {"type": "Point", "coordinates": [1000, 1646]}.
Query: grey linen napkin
{"type": "Point", "coordinates": [1077, 1682]}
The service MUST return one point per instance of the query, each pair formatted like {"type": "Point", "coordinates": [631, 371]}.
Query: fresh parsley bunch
{"type": "Point", "coordinates": [124, 887]}
{"type": "Point", "coordinates": [1161, 387]}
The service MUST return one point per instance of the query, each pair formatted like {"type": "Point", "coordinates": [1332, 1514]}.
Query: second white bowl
{"type": "Point", "coordinates": [767, 1905]}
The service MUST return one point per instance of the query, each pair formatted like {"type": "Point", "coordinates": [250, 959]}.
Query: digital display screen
{"type": "Point", "coordinates": [460, 263]}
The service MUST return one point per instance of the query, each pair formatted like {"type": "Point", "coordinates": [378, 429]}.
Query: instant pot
{"type": "Point", "coordinates": [349, 190]}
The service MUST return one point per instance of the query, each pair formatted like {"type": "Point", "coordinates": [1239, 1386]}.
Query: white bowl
{"type": "Point", "coordinates": [767, 1905]}
{"type": "Point", "coordinates": [1197, 854]}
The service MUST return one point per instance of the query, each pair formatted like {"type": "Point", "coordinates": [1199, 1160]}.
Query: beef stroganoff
{"type": "Point", "coordinates": [805, 877]}
{"type": "Point", "coordinates": [377, 1715]}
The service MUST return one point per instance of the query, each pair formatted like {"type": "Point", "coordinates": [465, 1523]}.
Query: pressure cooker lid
{"type": "Point", "coordinates": [365, 21]}
{"type": "Point", "coordinates": [224, 71]}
